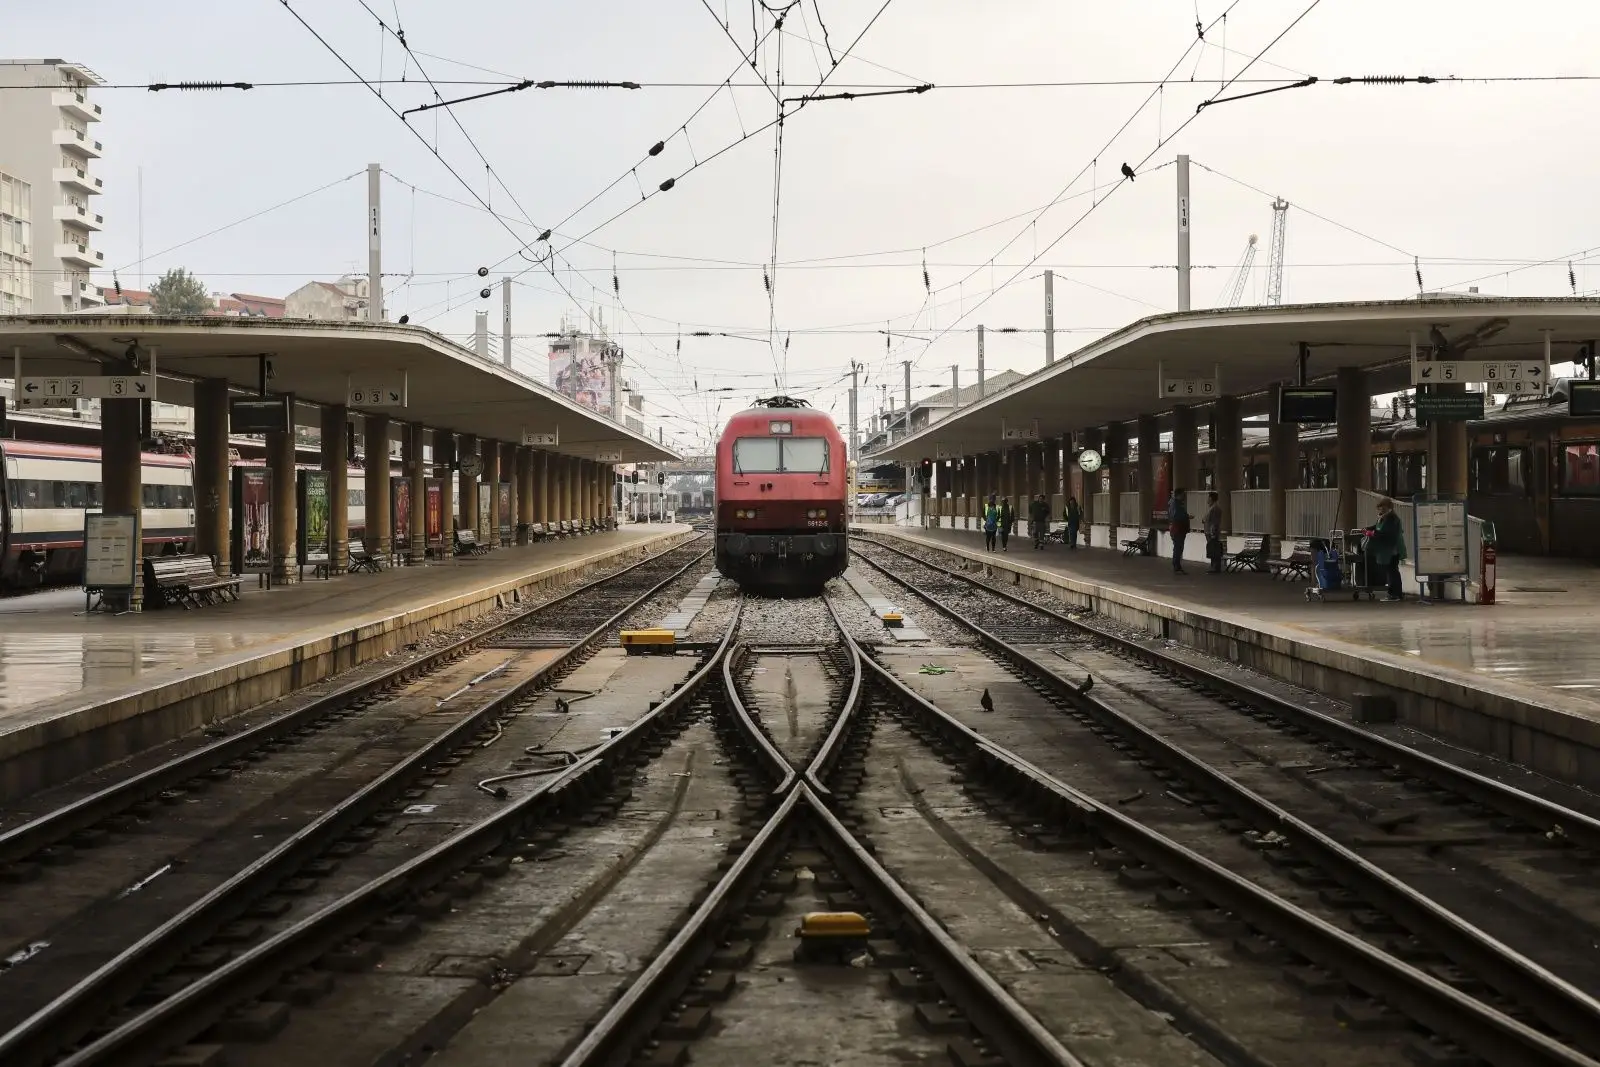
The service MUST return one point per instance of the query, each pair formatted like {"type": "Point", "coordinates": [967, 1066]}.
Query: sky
{"type": "Point", "coordinates": [903, 221]}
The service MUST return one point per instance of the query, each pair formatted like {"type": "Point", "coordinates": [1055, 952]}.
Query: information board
{"type": "Point", "coordinates": [483, 514]}
{"type": "Point", "coordinates": [508, 521]}
{"type": "Point", "coordinates": [1303, 404]}
{"type": "Point", "coordinates": [1583, 398]}
{"type": "Point", "coordinates": [1450, 407]}
{"type": "Point", "coordinates": [1439, 537]}
{"type": "Point", "coordinates": [110, 551]}
{"type": "Point", "coordinates": [314, 518]}
{"type": "Point", "coordinates": [260, 414]}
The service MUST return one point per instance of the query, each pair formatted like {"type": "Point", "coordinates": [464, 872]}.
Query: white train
{"type": "Point", "coordinates": [47, 488]}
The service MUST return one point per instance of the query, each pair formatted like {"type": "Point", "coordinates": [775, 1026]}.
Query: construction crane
{"type": "Point", "coordinates": [1280, 221]}
{"type": "Point", "coordinates": [1235, 289]}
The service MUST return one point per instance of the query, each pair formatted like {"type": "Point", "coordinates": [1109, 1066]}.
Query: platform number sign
{"type": "Point", "coordinates": [377, 391]}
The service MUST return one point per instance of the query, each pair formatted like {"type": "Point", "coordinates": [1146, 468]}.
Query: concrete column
{"type": "Point", "coordinates": [1052, 474]}
{"type": "Point", "coordinates": [1230, 455]}
{"type": "Point", "coordinates": [1185, 449]}
{"type": "Point", "coordinates": [1447, 454]}
{"type": "Point", "coordinates": [335, 459]}
{"type": "Point", "coordinates": [1283, 458]}
{"type": "Point", "coordinates": [522, 464]}
{"type": "Point", "coordinates": [608, 491]}
{"type": "Point", "coordinates": [541, 487]}
{"type": "Point", "coordinates": [211, 471]}
{"type": "Point", "coordinates": [1354, 452]}
{"type": "Point", "coordinates": [1149, 448]}
{"type": "Point", "coordinates": [561, 487]}
{"type": "Point", "coordinates": [122, 472]}
{"type": "Point", "coordinates": [444, 454]}
{"type": "Point", "coordinates": [417, 470]}
{"type": "Point", "coordinates": [280, 461]}
{"type": "Point", "coordinates": [586, 480]}
{"type": "Point", "coordinates": [466, 451]}
{"type": "Point", "coordinates": [1116, 454]}
{"type": "Point", "coordinates": [491, 485]}
{"type": "Point", "coordinates": [376, 440]}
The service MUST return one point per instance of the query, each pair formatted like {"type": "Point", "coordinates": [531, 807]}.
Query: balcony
{"type": "Point", "coordinates": [76, 104]}
{"type": "Point", "coordinates": [73, 252]}
{"type": "Point", "coordinates": [76, 139]}
{"type": "Point", "coordinates": [76, 178]}
{"type": "Point", "coordinates": [78, 216]}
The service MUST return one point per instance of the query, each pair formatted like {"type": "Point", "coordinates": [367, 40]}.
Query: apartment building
{"type": "Point", "coordinates": [341, 301]}
{"type": "Point", "coordinates": [16, 245]}
{"type": "Point", "coordinates": [47, 142]}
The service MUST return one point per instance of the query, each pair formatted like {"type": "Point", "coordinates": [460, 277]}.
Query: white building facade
{"type": "Point", "coordinates": [16, 245]}
{"type": "Point", "coordinates": [47, 141]}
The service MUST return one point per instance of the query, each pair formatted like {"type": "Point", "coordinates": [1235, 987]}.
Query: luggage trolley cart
{"type": "Point", "coordinates": [1327, 566]}
{"type": "Point", "coordinates": [1366, 577]}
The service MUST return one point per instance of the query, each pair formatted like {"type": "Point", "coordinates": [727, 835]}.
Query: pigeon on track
{"type": "Point", "coordinates": [986, 701]}
{"type": "Point", "coordinates": [1088, 684]}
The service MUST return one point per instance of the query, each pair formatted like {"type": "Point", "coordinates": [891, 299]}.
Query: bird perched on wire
{"type": "Point", "coordinates": [1088, 684]}
{"type": "Point", "coordinates": [1127, 172]}
{"type": "Point", "coordinates": [986, 702]}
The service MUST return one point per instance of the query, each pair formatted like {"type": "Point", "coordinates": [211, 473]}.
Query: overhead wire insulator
{"type": "Point", "coordinates": [766, 280]}
{"type": "Point", "coordinates": [1416, 264]}
{"type": "Point", "coordinates": [199, 86]}
{"type": "Point", "coordinates": [926, 283]}
{"type": "Point", "coordinates": [1572, 278]}
{"type": "Point", "coordinates": [657, 148]}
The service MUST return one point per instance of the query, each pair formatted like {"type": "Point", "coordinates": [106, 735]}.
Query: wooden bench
{"type": "Point", "coordinates": [362, 560]}
{"type": "Point", "coordinates": [191, 581]}
{"type": "Point", "coordinates": [1252, 557]}
{"type": "Point", "coordinates": [1297, 565]}
{"type": "Point", "coordinates": [467, 543]}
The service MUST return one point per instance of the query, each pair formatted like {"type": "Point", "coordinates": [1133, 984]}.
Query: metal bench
{"type": "Point", "coordinates": [1252, 557]}
{"type": "Point", "coordinates": [1136, 546]}
{"type": "Point", "coordinates": [467, 543]}
{"type": "Point", "coordinates": [1297, 565]}
{"type": "Point", "coordinates": [362, 560]}
{"type": "Point", "coordinates": [191, 581]}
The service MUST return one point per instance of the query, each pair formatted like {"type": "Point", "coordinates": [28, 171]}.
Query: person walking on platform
{"type": "Point", "coordinates": [1039, 519]}
{"type": "Point", "coordinates": [1388, 547]}
{"type": "Point", "coordinates": [1178, 527]}
{"type": "Point", "coordinates": [1008, 522]}
{"type": "Point", "coordinates": [991, 524]}
{"type": "Point", "coordinates": [1074, 519]}
{"type": "Point", "coordinates": [1213, 531]}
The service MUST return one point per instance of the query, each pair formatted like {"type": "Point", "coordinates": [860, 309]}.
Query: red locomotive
{"type": "Point", "coordinates": [782, 482]}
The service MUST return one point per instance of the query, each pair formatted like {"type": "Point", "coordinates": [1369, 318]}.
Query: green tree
{"type": "Point", "coordinates": [178, 292]}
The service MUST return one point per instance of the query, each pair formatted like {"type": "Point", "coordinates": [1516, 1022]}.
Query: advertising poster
{"type": "Point", "coordinates": [435, 513]}
{"type": "Point", "coordinates": [252, 520]}
{"type": "Point", "coordinates": [508, 521]}
{"type": "Point", "coordinates": [483, 515]}
{"type": "Point", "coordinates": [400, 513]}
{"type": "Point", "coordinates": [579, 371]}
{"type": "Point", "coordinates": [314, 517]}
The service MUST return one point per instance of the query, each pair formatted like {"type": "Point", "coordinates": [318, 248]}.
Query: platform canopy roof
{"type": "Point", "coordinates": [1117, 378]}
{"type": "Point", "coordinates": [448, 387]}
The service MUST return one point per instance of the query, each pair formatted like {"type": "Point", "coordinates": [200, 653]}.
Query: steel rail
{"type": "Point", "coordinates": [74, 1013]}
{"type": "Point", "coordinates": [1565, 1007]}
{"type": "Point", "coordinates": [832, 747]}
{"type": "Point", "coordinates": [21, 841]}
{"type": "Point", "coordinates": [772, 761]}
{"type": "Point", "coordinates": [1535, 811]}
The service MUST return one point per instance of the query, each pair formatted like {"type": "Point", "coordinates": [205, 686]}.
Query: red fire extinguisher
{"type": "Point", "coordinates": [1486, 566]}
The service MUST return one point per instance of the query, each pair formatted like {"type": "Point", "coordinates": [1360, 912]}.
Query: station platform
{"type": "Point", "coordinates": [69, 679]}
{"type": "Point", "coordinates": [1519, 679]}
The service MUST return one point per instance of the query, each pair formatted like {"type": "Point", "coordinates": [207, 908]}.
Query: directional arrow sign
{"type": "Point", "coordinates": [45, 401]}
{"type": "Point", "coordinates": [541, 440]}
{"type": "Point", "coordinates": [380, 390]}
{"type": "Point", "coordinates": [1186, 388]}
{"type": "Point", "coordinates": [86, 387]}
{"type": "Point", "coordinates": [1496, 373]}
{"type": "Point", "coordinates": [608, 457]}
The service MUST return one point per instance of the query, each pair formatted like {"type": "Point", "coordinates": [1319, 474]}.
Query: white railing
{"type": "Point", "coordinates": [1100, 506]}
{"type": "Point", "coordinates": [1129, 512]}
{"type": "Point", "coordinates": [1310, 512]}
{"type": "Point", "coordinates": [1252, 511]}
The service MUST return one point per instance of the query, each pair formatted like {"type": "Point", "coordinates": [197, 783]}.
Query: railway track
{"type": "Point", "coordinates": [641, 905]}
{"type": "Point", "coordinates": [1166, 743]}
{"type": "Point", "coordinates": [142, 885]}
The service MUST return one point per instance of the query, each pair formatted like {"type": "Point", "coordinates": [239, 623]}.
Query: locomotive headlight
{"type": "Point", "coordinates": [816, 513]}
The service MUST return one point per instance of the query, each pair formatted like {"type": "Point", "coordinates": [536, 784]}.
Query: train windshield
{"type": "Point", "coordinates": [780, 455]}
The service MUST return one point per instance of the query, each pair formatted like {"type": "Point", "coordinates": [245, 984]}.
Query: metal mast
{"type": "Point", "coordinates": [1280, 221]}
{"type": "Point", "coordinates": [1236, 287]}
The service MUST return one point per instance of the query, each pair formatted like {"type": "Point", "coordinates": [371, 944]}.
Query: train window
{"type": "Point", "coordinates": [1381, 468]}
{"type": "Point", "coordinates": [757, 455]}
{"type": "Point", "coordinates": [1502, 469]}
{"type": "Point", "coordinates": [93, 494]}
{"type": "Point", "coordinates": [806, 455]}
{"type": "Point", "coordinates": [1580, 469]}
